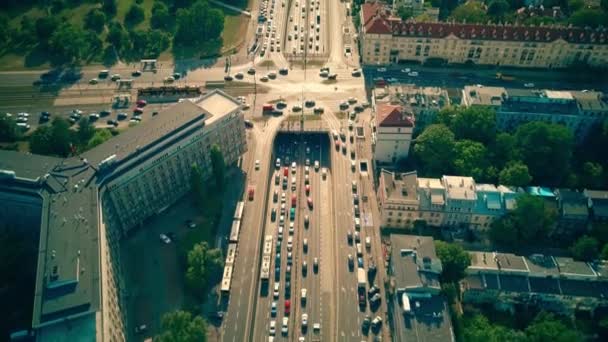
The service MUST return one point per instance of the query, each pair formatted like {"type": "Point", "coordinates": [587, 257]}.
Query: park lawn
{"type": "Point", "coordinates": [235, 29]}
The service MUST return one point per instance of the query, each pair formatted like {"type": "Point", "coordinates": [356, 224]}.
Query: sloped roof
{"type": "Point", "coordinates": [376, 19]}
{"type": "Point", "coordinates": [393, 116]}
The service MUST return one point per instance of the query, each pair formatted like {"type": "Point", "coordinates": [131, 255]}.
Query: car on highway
{"type": "Point", "coordinates": [273, 214]}
{"type": "Point", "coordinates": [103, 73]}
{"type": "Point", "coordinates": [257, 164]}
{"type": "Point", "coordinates": [285, 328]}
{"type": "Point", "coordinates": [529, 85]}
{"type": "Point", "coordinates": [351, 261]}
{"type": "Point", "coordinates": [283, 197]}
{"type": "Point", "coordinates": [251, 193]}
{"type": "Point", "coordinates": [169, 79]}
{"type": "Point", "coordinates": [343, 105]}
{"type": "Point", "coordinates": [287, 307]}
{"type": "Point", "coordinates": [93, 81]}
{"type": "Point", "coordinates": [251, 71]}
{"type": "Point", "coordinates": [316, 165]}
{"type": "Point", "coordinates": [413, 74]}
{"type": "Point", "coordinates": [264, 79]}
{"type": "Point", "coordinates": [309, 202]}
{"type": "Point", "coordinates": [273, 309]}
{"type": "Point", "coordinates": [304, 320]}
{"type": "Point", "coordinates": [368, 242]}
{"type": "Point", "coordinates": [349, 237]}
{"type": "Point", "coordinates": [273, 328]}
{"type": "Point", "coordinates": [164, 238]}
{"type": "Point", "coordinates": [324, 173]}
{"type": "Point", "coordinates": [303, 294]}
{"type": "Point", "coordinates": [228, 78]}
{"type": "Point", "coordinates": [136, 73]}
{"type": "Point", "coordinates": [296, 108]}
{"type": "Point", "coordinates": [290, 243]}
{"type": "Point", "coordinates": [115, 77]}
{"type": "Point", "coordinates": [377, 323]}
{"type": "Point", "coordinates": [276, 290]}
{"type": "Point", "coordinates": [283, 71]}
{"type": "Point", "coordinates": [304, 268]}
{"type": "Point", "coordinates": [353, 165]}
{"type": "Point", "coordinates": [305, 245]}
{"type": "Point", "coordinates": [360, 262]}
{"type": "Point", "coordinates": [309, 103]}
{"type": "Point", "coordinates": [315, 264]}
{"type": "Point", "coordinates": [356, 73]}
{"type": "Point", "coordinates": [365, 325]}
{"type": "Point", "coordinates": [239, 75]}
{"type": "Point", "coordinates": [381, 69]}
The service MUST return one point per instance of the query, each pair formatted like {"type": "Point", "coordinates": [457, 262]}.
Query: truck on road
{"type": "Point", "coordinates": [361, 279]}
{"type": "Point", "coordinates": [504, 77]}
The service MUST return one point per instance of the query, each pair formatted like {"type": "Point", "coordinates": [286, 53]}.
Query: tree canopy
{"type": "Point", "coordinates": [471, 159]}
{"type": "Point", "coordinates": [586, 248]}
{"type": "Point", "coordinates": [435, 149]}
{"type": "Point", "coordinates": [218, 165]}
{"type": "Point", "coordinates": [9, 131]}
{"type": "Point", "coordinates": [70, 43]}
{"type": "Point", "coordinates": [198, 24]}
{"type": "Point", "coordinates": [95, 20]}
{"type": "Point", "coordinates": [182, 326]}
{"type": "Point", "coordinates": [515, 174]}
{"type": "Point", "coordinates": [454, 261]}
{"type": "Point", "coordinates": [470, 12]}
{"type": "Point", "coordinates": [475, 123]}
{"type": "Point", "coordinates": [546, 149]}
{"type": "Point", "coordinates": [204, 265]}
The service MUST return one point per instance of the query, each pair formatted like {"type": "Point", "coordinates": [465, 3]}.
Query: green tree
{"type": "Point", "coordinates": [504, 232]}
{"type": "Point", "coordinates": [95, 20]}
{"type": "Point", "coordinates": [586, 248]}
{"type": "Point", "coordinates": [196, 183]}
{"type": "Point", "coordinates": [475, 123]}
{"type": "Point", "coordinates": [515, 174]}
{"type": "Point", "coordinates": [435, 149]}
{"type": "Point", "coordinates": [118, 36]}
{"type": "Point", "coordinates": [62, 137]}
{"type": "Point", "coordinates": [161, 19]}
{"type": "Point", "coordinates": [109, 7]}
{"type": "Point", "coordinates": [218, 165]}
{"type": "Point", "coordinates": [479, 329]}
{"type": "Point", "coordinates": [502, 150]}
{"type": "Point", "coordinates": [604, 254]}
{"type": "Point", "coordinates": [26, 35]}
{"type": "Point", "coordinates": [593, 175]}
{"type": "Point", "coordinates": [470, 12]}
{"type": "Point", "coordinates": [135, 15]}
{"type": "Point", "coordinates": [600, 231]}
{"type": "Point", "coordinates": [41, 140]}
{"type": "Point", "coordinates": [45, 26]}
{"type": "Point", "coordinates": [69, 42]}
{"type": "Point", "coordinates": [454, 260]}
{"type": "Point", "coordinates": [589, 17]}
{"type": "Point", "coordinates": [405, 12]}
{"type": "Point", "coordinates": [5, 30]}
{"type": "Point", "coordinates": [9, 131]}
{"type": "Point", "coordinates": [497, 9]}
{"type": "Point", "coordinates": [85, 131]}
{"type": "Point", "coordinates": [547, 149]}
{"type": "Point", "coordinates": [181, 326]}
{"type": "Point", "coordinates": [531, 218]}
{"type": "Point", "coordinates": [204, 264]}
{"type": "Point", "coordinates": [575, 5]}
{"type": "Point", "coordinates": [546, 327]}
{"type": "Point", "coordinates": [470, 159]}
{"type": "Point", "coordinates": [200, 23]}
{"type": "Point", "coordinates": [100, 136]}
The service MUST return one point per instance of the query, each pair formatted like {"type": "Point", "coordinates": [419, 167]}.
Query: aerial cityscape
{"type": "Point", "coordinates": [304, 170]}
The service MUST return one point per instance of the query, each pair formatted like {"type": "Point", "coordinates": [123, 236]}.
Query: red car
{"type": "Point", "coordinates": [251, 192]}
{"type": "Point", "coordinates": [141, 103]}
{"type": "Point", "coordinates": [337, 145]}
{"type": "Point", "coordinates": [285, 171]}
{"type": "Point", "coordinates": [307, 187]}
{"type": "Point", "coordinates": [293, 200]}
{"type": "Point", "coordinates": [138, 110]}
{"type": "Point", "coordinates": [287, 306]}
{"type": "Point", "coordinates": [309, 200]}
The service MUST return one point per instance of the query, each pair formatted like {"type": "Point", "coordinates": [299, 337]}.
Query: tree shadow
{"type": "Point", "coordinates": [204, 55]}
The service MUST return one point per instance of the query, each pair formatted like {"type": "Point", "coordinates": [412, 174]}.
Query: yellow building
{"type": "Point", "coordinates": [387, 39]}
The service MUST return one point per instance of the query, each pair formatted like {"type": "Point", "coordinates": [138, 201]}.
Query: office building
{"type": "Point", "coordinates": [87, 203]}
{"type": "Point", "coordinates": [393, 134]}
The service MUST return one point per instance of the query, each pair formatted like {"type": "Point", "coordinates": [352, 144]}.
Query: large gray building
{"type": "Point", "coordinates": [84, 204]}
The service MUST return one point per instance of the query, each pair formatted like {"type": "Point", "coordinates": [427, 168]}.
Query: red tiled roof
{"type": "Point", "coordinates": [392, 116]}
{"type": "Point", "coordinates": [500, 32]}
{"type": "Point", "coordinates": [377, 20]}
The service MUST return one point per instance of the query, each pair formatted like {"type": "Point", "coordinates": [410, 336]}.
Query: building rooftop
{"type": "Point", "coordinates": [142, 135]}
{"type": "Point", "coordinates": [572, 203]}
{"type": "Point", "coordinates": [400, 187]}
{"type": "Point", "coordinates": [483, 96]}
{"type": "Point", "coordinates": [540, 191]}
{"type": "Point", "coordinates": [495, 262]}
{"type": "Point", "coordinates": [415, 266]}
{"type": "Point", "coordinates": [535, 107]}
{"type": "Point", "coordinates": [521, 92]}
{"type": "Point", "coordinates": [375, 12]}
{"type": "Point", "coordinates": [393, 116]}
{"type": "Point", "coordinates": [433, 189]}
{"type": "Point", "coordinates": [67, 280]}
{"type": "Point", "coordinates": [542, 266]}
{"type": "Point", "coordinates": [571, 268]}
{"type": "Point", "coordinates": [217, 104]}
{"type": "Point", "coordinates": [489, 200]}
{"type": "Point", "coordinates": [558, 94]}
{"type": "Point", "coordinates": [597, 200]}
{"type": "Point", "coordinates": [27, 166]}
{"type": "Point", "coordinates": [590, 100]}
{"type": "Point", "coordinates": [459, 188]}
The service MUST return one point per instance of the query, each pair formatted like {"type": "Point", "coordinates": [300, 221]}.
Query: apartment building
{"type": "Point", "coordinates": [387, 39]}
{"type": "Point", "coordinates": [88, 202]}
{"type": "Point", "coordinates": [557, 284]}
{"type": "Point", "coordinates": [597, 202]}
{"type": "Point", "coordinates": [425, 102]}
{"type": "Point", "coordinates": [579, 111]}
{"type": "Point", "coordinates": [421, 312]}
{"type": "Point", "coordinates": [393, 136]}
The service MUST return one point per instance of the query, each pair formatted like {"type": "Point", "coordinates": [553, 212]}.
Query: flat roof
{"type": "Point", "coordinates": [559, 94]}
{"type": "Point", "coordinates": [217, 104]}
{"type": "Point", "coordinates": [414, 262]}
{"type": "Point", "coordinates": [67, 281]}
{"type": "Point", "coordinates": [26, 165]}
{"type": "Point", "coordinates": [429, 321]}
{"type": "Point", "coordinates": [401, 186]}
{"type": "Point", "coordinates": [143, 134]}
{"type": "Point", "coordinates": [573, 268]}
{"type": "Point", "coordinates": [485, 96]}
{"type": "Point", "coordinates": [460, 188]}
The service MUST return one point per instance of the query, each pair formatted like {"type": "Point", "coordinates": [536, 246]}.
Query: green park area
{"type": "Point", "coordinates": [38, 34]}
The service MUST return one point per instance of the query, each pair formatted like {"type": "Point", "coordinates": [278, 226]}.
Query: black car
{"type": "Point", "coordinates": [227, 78]}
{"type": "Point", "coordinates": [283, 71]}
{"type": "Point", "coordinates": [357, 212]}
{"type": "Point", "coordinates": [355, 199]}
{"type": "Point", "coordinates": [136, 73]}
{"type": "Point", "coordinates": [373, 290]}
{"type": "Point", "coordinates": [367, 322]}
{"type": "Point", "coordinates": [309, 103]}
{"type": "Point", "coordinates": [105, 113]}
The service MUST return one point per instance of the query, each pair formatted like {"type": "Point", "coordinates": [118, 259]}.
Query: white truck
{"type": "Point", "coordinates": [361, 278]}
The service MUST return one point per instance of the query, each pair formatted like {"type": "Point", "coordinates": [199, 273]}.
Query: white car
{"type": "Point", "coordinates": [303, 295]}
{"type": "Point", "coordinates": [413, 74]}
{"type": "Point", "coordinates": [293, 167]}
{"type": "Point", "coordinates": [304, 320]}
{"type": "Point", "coordinates": [406, 70]}
{"type": "Point", "coordinates": [305, 244]}
{"type": "Point", "coordinates": [283, 198]}
{"type": "Point", "coordinates": [529, 85]}
{"type": "Point", "coordinates": [306, 170]}
{"type": "Point", "coordinates": [289, 243]}
{"type": "Point", "coordinates": [381, 69]}
{"type": "Point", "coordinates": [291, 228]}
{"type": "Point", "coordinates": [276, 291]}
{"type": "Point", "coordinates": [273, 328]}
{"type": "Point", "coordinates": [285, 328]}
{"type": "Point", "coordinates": [257, 164]}
{"type": "Point", "coordinates": [316, 165]}
{"type": "Point", "coordinates": [164, 238]}
{"type": "Point", "coordinates": [278, 163]}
